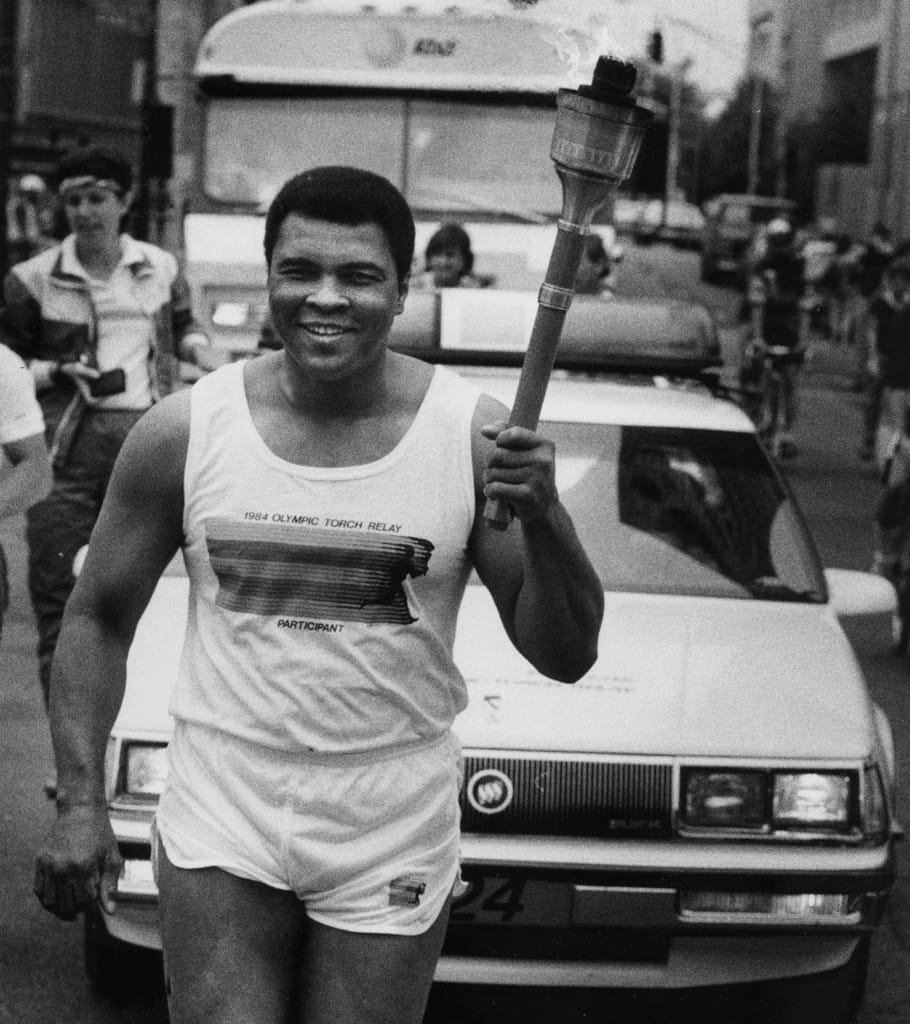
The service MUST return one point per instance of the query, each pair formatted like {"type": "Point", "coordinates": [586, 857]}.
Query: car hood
{"type": "Point", "coordinates": [154, 658]}
{"type": "Point", "coordinates": [676, 676]}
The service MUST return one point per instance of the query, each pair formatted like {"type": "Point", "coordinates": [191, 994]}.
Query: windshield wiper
{"type": "Point", "coordinates": [481, 204]}
{"type": "Point", "coordinates": [770, 588]}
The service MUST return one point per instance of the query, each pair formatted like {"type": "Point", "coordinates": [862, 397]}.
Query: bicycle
{"type": "Point", "coordinates": [777, 313]}
{"type": "Point", "coordinates": [775, 398]}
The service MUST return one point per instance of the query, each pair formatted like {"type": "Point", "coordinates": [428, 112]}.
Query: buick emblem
{"type": "Point", "coordinates": [490, 791]}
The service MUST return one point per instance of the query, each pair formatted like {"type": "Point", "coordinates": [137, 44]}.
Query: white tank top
{"type": "Point", "coordinates": [323, 600]}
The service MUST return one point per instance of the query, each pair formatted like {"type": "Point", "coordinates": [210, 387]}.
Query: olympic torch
{"type": "Point", "coordinates": [599, 129]}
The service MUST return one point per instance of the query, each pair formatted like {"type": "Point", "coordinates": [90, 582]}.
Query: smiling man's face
{"type": "Point", "coordinates": [334, 293]}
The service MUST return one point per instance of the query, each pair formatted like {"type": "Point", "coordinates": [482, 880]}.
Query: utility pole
{"type": "Point", "coordinates": [755, 121]}
{"type": "Point", "coordinates": [147, 104]}
{"type": "Point", "coordinates": [677, 80]}
{"type": "Point", "coordinates": [7, 116]}
{"type": "Point", "coordinates": [655, 43]}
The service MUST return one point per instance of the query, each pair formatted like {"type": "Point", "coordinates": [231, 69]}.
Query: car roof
{"type": "Point", "coordinates": [615, 399]}
{"type": "Point", "coordinates": [489, 327]}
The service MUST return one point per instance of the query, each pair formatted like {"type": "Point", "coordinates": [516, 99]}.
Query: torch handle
{"type": "Point", "coordinates": [553, 304]}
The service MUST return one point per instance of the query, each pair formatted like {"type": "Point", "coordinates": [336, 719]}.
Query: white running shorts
{"type": "Point", "coordinates": [368, 841]}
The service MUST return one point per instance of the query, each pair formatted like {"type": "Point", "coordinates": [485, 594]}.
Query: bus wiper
{"type": "Point", "coordinates": [480, 204]}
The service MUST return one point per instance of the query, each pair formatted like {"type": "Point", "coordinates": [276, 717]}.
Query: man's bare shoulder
{"type": "Point", "coordinates": [142, 514]}
{"type": "Point", "coordinates": [167, 421]}
{"type": "Point", "coordinates": [157, 444]}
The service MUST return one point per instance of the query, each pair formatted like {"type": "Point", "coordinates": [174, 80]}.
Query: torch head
{"type": "Point", "coordinates": [612, 82]}
{"type": "Point", "coordinates": [598, 133]}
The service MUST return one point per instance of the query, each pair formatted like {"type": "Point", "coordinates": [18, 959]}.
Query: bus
{"type": "Point", "coordinates": [455, 106]}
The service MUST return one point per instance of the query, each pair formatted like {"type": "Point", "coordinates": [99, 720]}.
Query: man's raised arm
{"type": "Point", "coordinates": [548, 594]}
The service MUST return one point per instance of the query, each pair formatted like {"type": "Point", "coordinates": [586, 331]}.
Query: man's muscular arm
{"type": "Point", "coordinates": [137, 533]}
{"type": "Point", "coordinates": [547, 592]}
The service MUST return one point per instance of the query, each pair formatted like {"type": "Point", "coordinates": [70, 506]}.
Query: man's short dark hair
{"type": "Point", "coordinates": [346, 195]}
{"type": "Point", "coordinates": [98, 162]}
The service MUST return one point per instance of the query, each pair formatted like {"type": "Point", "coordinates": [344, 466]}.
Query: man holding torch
{"type": "Point", "coordinates": [328, 500]}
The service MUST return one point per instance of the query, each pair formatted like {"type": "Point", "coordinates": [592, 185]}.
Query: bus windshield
{"type": "Point", "coordinates": [448, 156]}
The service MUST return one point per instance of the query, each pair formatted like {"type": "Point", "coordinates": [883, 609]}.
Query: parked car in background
{"type": "Point", "coordinates": [713, 803]}
{"type": "Point", "coordinates": [676, 222]}
{"type": "Point", "coordinates": [731, 222]}
{"type": "Point", "coordinates": [625, 213]}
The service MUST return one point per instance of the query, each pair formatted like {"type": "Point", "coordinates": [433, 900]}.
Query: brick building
{"type": "Point", "coordinates": [77, 70]}
{"type": "Point", "coordinates": [71, 72]}
{"type": "Point", "coordinates": [842, 70]}
{"type": "Point", "coordinates": [112, 72]}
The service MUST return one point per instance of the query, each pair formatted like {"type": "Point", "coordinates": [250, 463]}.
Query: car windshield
{"type": "Point", "coordinates": [684, 512]}
{"type": "Point", "coordinates": [452, 156]}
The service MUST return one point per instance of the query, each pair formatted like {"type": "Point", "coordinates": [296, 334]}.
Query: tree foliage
{"type": "Point", "coordinates": [724, 164]}
{"type": "Point", "coordinates": [656, 88]}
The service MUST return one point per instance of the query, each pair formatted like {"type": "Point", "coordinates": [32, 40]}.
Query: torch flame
{"type": "Point", "coordinates": [578, 51]}
{"type": "Point", "coordinates": [577, 29]}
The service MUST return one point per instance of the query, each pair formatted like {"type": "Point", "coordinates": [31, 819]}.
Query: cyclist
{"type": "Point", "coordinates": [775, 299]}
{"type": "Point", "coordinates": [891, 529]}
{"type": "Point", "coordinates": [889, 347]}
{"type": "Point", "coordinates": [892, 521]}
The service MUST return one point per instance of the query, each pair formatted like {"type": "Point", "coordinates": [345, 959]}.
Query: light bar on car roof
{"type": "Point", "coordinates": [492, 327]}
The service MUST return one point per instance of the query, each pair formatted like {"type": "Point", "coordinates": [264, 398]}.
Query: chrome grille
{"type": "Point", "coordinates": [566, 797]}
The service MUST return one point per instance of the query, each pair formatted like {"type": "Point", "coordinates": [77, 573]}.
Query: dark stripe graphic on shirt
{"type": "Point", "coordinates": [342, 575]}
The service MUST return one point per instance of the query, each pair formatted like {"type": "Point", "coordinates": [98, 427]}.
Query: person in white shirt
{"type": "Point", "coordinates": [102, 320]}
{"type": "Point", "coordinates": [25, 469]}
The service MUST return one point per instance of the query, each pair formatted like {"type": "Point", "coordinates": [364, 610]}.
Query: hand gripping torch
{"type": "Point", "coordinates": [599, 129]}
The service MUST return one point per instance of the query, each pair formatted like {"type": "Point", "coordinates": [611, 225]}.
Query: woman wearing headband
{"type": "Point", "coordinates": [102, 320]}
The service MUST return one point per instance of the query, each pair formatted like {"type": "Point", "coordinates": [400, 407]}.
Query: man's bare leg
{"type": "Point", "coordinates": [233, 947]}
{"type": "Point", "coordinates": [365, 978]}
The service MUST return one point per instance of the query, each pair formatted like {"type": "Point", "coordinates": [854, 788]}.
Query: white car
{"type": "Point", "coordinates": [673, 221]}
{"type": "Point", "coordinates": [713, 803]}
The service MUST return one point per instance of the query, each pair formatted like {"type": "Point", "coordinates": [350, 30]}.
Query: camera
{"type": "Point", "coordinates": [111, 382]}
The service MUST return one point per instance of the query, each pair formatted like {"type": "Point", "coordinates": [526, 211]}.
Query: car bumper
{"type": "Point", "coordinates": [631, 926]}
{"type": "Point", "coordinates": [690, 962]}
{"type": "Point", "coordinates": [135, 922]}
{"type": "Point", "coordinates": [563, 912]}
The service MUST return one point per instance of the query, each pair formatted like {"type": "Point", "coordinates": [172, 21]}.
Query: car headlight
{"type": "Point", "coordinates": [811, 800]}
{"type": "Point", "coordinates": [774, 801]}
{"type": "Point", "coordinates": [143, 770]}
{"type": "Point", "coordinates": [724, 799]}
